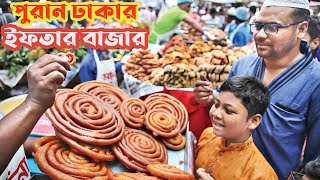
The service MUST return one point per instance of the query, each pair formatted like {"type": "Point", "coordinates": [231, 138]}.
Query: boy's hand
{"type": "Point", "coordinates": [44, 77]}
{"type": "Point", "coordinates": [203, 175]}
{"type": "Point", "coordinates": [203, 91]}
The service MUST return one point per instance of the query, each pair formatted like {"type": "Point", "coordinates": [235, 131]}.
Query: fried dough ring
{"type": "Point", "coordinates": [71, 57]}
{"type": "Point", "coordinates": [97, 153]}
{"type": "Point", "coordinates": [175, 143]}
{"type": "Point", "coordinates": [133, 112]}
{"type": "Point", "coordinates": [107, 92]}
{"type": "Point", "coordinates": [133, 176]}
{"type": "Point", "coordinates": [84, 118]}
{"type": "Point", "coordinates": [162, 123]}
{"type": "Point", "coordinates": [137, 149]}
{"type": "Point", "coordinates": [168, 172]}
{"type": "Point", "coordinates": [169, 104]}
{"type": "Point", "coordinates": [57, 161]}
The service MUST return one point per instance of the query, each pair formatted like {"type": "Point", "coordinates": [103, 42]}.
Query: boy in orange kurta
{"type": "Point", "coordinates": [226, 150]}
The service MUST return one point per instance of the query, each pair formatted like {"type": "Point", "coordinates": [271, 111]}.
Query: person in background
{"type": "Point", "coordinates": [88, 67]}
{"type": "Point", "coordinates": [166, 25]}
{"type": "Point", "coordinates": [44, 78]}
{"type": "Point", "coordinates": [284, 63]}
{"type": "Point", "coordinates": [313, 36]}
{"type": "Point", "coordinates": [213, 17]}
{"type": "Point", "coordinates": [226, 150]}
{"type": "Point", "coordinates": [253, 7]}
{"type": "Point", "coordinates": [241, 34]}
{"type": "Point", "coordinates": [5, 7]}
{"type": "Point", "coordinates": [231, 21]}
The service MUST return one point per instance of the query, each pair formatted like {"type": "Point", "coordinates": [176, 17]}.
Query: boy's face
{"type": "Point", "coordinates": [229, 118]}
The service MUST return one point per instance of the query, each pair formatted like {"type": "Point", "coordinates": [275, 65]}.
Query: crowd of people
{"type": "Point", "coordinates": [264, 116]}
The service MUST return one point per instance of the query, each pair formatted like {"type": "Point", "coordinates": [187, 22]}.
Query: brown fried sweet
{"type": "Point", "coordinates": [168, 172]}
{"type": "Point", "coordinates": [137, 149]}
{"type": "Point", "coordinates": [57, 161]}
{"type": "Point", "coordinates": [85, 118]}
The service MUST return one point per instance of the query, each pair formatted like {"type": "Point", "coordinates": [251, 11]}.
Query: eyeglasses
{"type": "Point", "coordinates": [270, 28]}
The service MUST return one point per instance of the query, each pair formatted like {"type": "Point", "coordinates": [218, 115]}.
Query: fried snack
{"type": "Point", "coordinates": [137, 149]}
{"type": "Point", "coordinates": [95, 152]}
{"type": "Point", "coordinates": [133, 176]}
{"type": "Point", "coordinates": [57, 161]}
{"type": "Point", "coordinates": [176, 143]}
{"type": "Point", "coordinates": [107, 92]}
{"type": "Point", "coordinates": [168, 172]}
{"type": "Point", "coordinates": [171, 105]}
{"type": "Point", "coordinates": [133, 112]}
{"type": "Point", "coordinates": [71, 57]}
{"type": "Point", "coordinates": [85, 118]}
{"type": "Point", "coordinates": [162, 123]}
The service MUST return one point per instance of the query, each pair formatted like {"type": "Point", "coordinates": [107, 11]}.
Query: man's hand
{"type": "Point", "coordinates": [209, 35]}
{"type": "Point", "coordinates": [44, 77]}
{"type": "Point", "coordinates": [204, 92]}
{"type": "Point", "coordinates": [203, 175]}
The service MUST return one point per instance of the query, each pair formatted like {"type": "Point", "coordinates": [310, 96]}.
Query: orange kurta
{"type": "Point", "coordinates": [237, 161]}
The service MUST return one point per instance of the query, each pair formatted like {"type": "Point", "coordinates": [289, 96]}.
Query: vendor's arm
{"type": "Point", "coordinates": [193, 23]}
{"type": "Point", "coordinates": [44, 77]}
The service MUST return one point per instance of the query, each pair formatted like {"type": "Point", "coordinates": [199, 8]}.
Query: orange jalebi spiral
{"type": "Point", "coordinates": [97, 153]}
{"type": "Point", "coordinates": [175, 143]}
{"type": "Point", "coordinates": [57, 161]}
{"type": "Point", "coordinates": [168, 172]}
{"type": "Point", "coordinates": [137, 149]}
{"type": "Point", "coordinates": [133, 176]}
{"type": "Point", "coordinates": [84, 118]}
{"type": "Point", "coordinates": [133, 112]}
{"type": "Point", "coordinates": [162, 124]}
{"type": "Point", "coordinates": [171, 105]}
{"type": "Point", "coordinates": [107, 92]}
{"type": "Point", "coordinates": [71, 57]}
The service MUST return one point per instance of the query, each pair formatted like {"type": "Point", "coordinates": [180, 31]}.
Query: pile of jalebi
{"type": "Point", "coordinates": [137, 149]}
{"type": "Point", "coordinates": [86, 123]}
{"type": "Point", "coordinates": [58, 161]}
{"type": "Point", "coordinates": [107, 92]}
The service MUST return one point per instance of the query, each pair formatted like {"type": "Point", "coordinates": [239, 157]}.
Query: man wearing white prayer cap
{"type": "Point", "coordinates": [284, 63]}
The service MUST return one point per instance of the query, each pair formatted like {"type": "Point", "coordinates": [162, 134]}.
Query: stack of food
{"type": "Point", "coordinates": [95, 117]}
{"type": "Point", "coordinates": [141, 64]}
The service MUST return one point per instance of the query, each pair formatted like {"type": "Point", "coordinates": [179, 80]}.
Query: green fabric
{"type": "Point", "coordinates": [167, 22]}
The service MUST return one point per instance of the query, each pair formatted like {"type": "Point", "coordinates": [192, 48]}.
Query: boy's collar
{"type": "Point", "coordinates": [236, 146]}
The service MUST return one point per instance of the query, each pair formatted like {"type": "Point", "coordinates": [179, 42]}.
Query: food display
{"type": "Point", "coordinates": [166, 171]}
{"type": "Point", "coordinates": [175, 143]}
{"type": "Point", "coordinates": [133, 176]}
{"type": "Point", "coordinates": [138, 149]}
{"type": "Point", "coordinates": [171, 105]}
{"type": "Point", "coordinates": [85, 118]}
{"type": "Point", "coordinates": [59, 162]}
{"type": "Point", "coordinates": [90, 132]}
{"type": "Point", "coordinates": [133, 111]}
{"type": "Point", "coordinates": [142, 63]}
{"type": "Point", "coordinates": [107, 92]}
{"type": "Point", "coordinates": [180, 65]}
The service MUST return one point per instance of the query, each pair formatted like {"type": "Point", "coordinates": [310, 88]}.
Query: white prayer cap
{"type": "Point", "coordinates": [302, 4]}
{"type": "Point", "coordinates": [231, 11]}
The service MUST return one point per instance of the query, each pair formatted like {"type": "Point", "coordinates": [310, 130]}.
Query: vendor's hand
{"type": "Point", "coordinates": [44, 77]}
{"type": "Point", "coordinates": [204, 92]}
{"type": "Point", "coordinates": [209, 35]}
{"type": "Point", "coordinates": [203, 175]}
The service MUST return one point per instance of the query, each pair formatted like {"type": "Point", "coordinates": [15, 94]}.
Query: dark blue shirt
{"type": "Point", "coordinates": [293, 114]}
